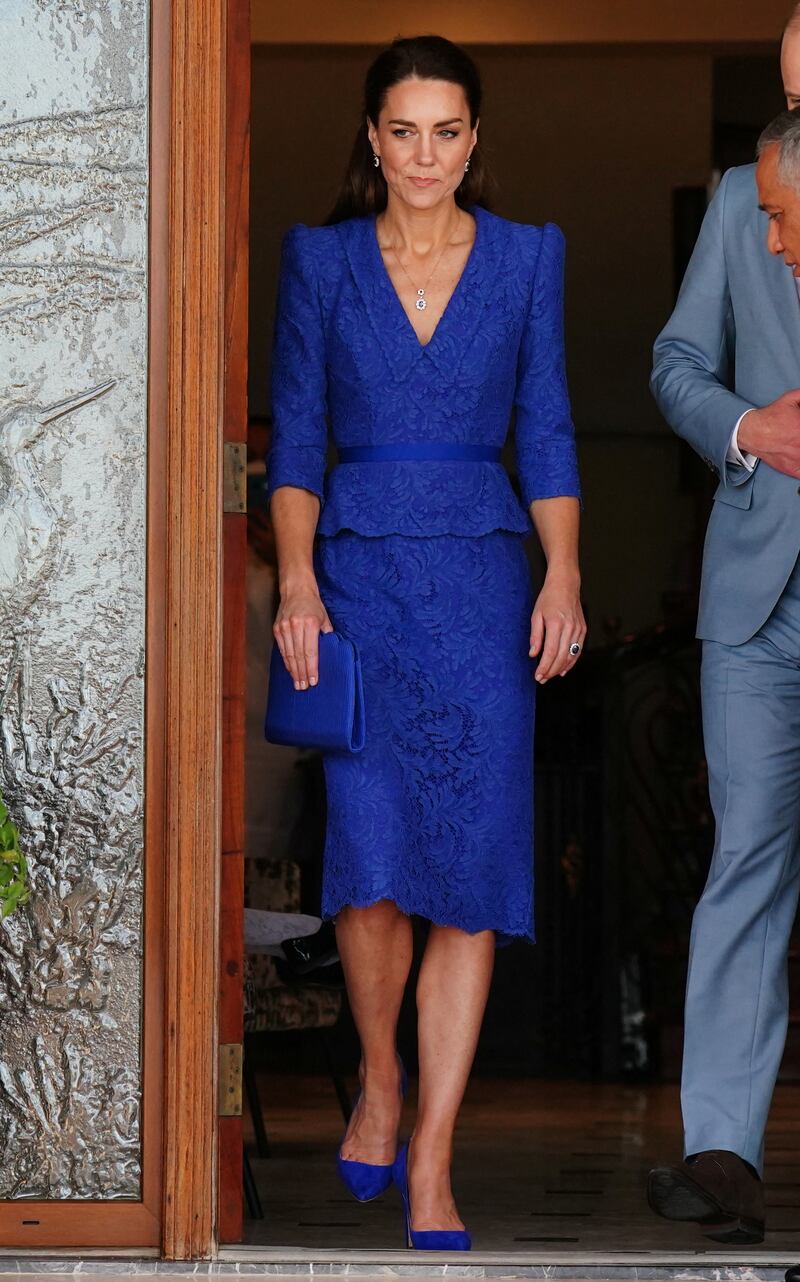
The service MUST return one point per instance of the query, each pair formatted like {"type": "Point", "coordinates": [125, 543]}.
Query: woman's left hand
{"type": "Point", "coordinates": [557, 623]}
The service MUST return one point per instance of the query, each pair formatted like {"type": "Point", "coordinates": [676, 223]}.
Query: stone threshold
{"type": "Point", "coordinates": [569, 1266]}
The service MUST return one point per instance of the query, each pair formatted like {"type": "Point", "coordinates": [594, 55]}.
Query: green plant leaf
{"type": "Point", "coordinates": [14, 889]}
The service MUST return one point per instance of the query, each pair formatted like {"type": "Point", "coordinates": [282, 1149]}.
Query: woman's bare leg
{"type": "Point", "coordinates": [375, 946]}
{"type": "Point", "coordinates": [451, 999]}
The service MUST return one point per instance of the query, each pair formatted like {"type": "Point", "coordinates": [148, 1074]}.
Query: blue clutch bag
{"type": "Point", "coordinates": [327, 715]}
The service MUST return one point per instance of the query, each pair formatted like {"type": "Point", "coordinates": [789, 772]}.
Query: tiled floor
{"type": "Point", "coordinates": [539, 1165]}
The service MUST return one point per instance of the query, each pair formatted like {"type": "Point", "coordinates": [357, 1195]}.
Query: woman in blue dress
{"type": "Point", "coordinates": [413, 322]}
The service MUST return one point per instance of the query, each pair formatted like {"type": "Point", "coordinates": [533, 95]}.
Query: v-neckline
{"type": "Point", "coordinates": [389, 283]}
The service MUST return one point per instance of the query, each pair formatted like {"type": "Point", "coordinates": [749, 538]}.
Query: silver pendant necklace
{"type": "Point", "coordinates": [422, 301]}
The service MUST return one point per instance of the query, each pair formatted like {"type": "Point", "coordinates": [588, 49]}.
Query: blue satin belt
{"type": "Point", "coordinates": [419, 450]}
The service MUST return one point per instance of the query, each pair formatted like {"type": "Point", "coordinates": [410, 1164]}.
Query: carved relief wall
{"type": "Point", "coordinates": [73, 364]}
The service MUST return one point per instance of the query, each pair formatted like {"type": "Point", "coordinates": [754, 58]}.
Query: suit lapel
{"type": "Point", "coordinates": [387, 320]}
{"type": "Point", "coordinates": [474, 295]}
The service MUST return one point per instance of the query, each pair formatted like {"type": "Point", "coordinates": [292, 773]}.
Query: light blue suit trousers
{"type": "Point", "coordinates": [737, 991]}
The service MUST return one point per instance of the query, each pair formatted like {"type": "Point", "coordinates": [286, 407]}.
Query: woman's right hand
{"type": "Point", "coordinates": [300, 619]}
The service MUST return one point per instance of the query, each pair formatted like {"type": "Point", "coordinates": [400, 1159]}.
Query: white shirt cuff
{"type": "Point", "coordinates": [734, 454]}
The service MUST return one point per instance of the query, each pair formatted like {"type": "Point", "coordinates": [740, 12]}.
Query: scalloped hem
{"type": "Point", "coordinates": [502, 937]}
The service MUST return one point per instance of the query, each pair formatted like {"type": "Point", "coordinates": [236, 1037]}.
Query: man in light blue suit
{"type": "Point", "coordinates": [727, 378]}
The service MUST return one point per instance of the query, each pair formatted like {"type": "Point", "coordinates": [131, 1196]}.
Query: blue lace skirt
{"type": "Point", "coordinates": [436, 812]}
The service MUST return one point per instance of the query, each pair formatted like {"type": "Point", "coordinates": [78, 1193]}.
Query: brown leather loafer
{"type": "Point", "coordinates": [717, 1190]}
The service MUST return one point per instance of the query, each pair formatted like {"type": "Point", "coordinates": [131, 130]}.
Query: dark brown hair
{"type": "Point", "coordinates": [364, 190]}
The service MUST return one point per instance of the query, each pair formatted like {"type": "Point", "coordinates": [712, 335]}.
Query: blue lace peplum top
{"type": "Point", "coordinates": [346, 355]}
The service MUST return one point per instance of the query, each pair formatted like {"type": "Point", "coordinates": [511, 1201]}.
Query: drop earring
{"type": "Point", "coordinates": [376, 160]}
{"type": "Point", "coordinates": [466, 164]}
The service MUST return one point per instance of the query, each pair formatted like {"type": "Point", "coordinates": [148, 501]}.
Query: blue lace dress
{"type": "Point", "coordinates": [421, 561]}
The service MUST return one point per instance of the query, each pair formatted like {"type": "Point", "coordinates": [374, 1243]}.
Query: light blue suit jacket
{"type": "Point", "coordinates": [733, 342]}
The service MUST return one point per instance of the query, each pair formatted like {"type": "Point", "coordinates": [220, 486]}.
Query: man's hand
{"type": "Point", "coordinates": [773, 433]}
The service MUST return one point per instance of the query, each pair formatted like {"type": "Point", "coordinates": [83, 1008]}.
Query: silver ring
{"type": "Point", "coordinates": [575, 649]}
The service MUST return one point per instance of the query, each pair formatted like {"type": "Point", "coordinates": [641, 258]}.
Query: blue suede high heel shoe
{"type": "Point", "coordinates": [365, 1180]}
{"type": "Point", "coordinates": [425, 1239]}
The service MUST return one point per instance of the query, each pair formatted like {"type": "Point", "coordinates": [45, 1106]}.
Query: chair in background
{"type": "Point", "coordinates": [276, 1001]}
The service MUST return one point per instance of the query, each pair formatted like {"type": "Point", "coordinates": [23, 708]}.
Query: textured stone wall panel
{"type": "Point", "coordinates": [73, 349]}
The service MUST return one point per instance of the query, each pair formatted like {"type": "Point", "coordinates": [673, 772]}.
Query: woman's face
{"type": "Point", "coordinates": [423, 137]}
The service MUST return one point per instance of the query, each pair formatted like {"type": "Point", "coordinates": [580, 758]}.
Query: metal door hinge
{"type": "Point", "coordinates": [230, 1079]}
{"type": "Point", "coordinates": [234, 477]}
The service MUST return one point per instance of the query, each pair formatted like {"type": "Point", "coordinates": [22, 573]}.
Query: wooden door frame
{"type": "Point", "coordinates": [230, 1217]}
{"type": "Point", "coordinates": [188, 238]}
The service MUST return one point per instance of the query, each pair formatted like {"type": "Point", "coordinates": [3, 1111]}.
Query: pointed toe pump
{"type": "Point", "coordinates": [427, 1239]}
{"type": "Point", "coordinates": [365, 1180]}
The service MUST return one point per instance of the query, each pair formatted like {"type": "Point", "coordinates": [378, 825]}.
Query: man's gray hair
{"type": "Point", "coordinates": [784, 130]}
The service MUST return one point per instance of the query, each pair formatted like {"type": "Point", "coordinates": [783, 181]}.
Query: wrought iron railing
{"type": "Point", "coordinates": [624, 836]}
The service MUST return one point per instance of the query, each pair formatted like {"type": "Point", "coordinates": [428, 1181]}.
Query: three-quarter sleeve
{"type": "Point", "coordinates": [298, 384]}
{"type": "Point", "coordinates": [546, 459]}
